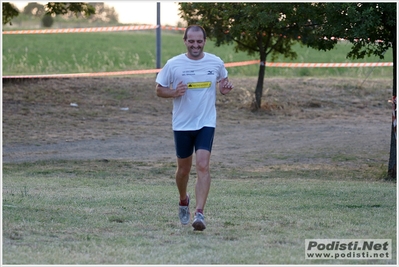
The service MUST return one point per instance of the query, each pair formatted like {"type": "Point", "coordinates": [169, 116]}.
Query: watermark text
{"type": "Point", "coordinates": [350, 249]}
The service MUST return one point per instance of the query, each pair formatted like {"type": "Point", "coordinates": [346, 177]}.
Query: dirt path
{"type": "Point", "coordinates": [323, 122]}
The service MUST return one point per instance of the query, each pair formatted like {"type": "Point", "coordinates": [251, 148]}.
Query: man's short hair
{"type": "Point", "coordinates": [194, 28]}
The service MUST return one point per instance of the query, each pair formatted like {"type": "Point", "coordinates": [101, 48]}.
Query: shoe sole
{"type": "Point", "coordinates": [198, 226]}
{"type": "Point", "coordinates": [184, 223]}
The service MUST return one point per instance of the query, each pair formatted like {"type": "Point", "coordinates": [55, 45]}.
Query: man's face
{"type": "Point", "coordinates": [195, 44]}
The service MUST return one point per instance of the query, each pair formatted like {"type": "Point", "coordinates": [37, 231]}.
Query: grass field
{"type": "Point", "coordinates": [119, 212]}
{"type": "Point", "coordinates": [100, 52]}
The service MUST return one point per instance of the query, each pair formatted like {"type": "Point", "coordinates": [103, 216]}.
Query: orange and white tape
{"type": "Point", "coordinates": [94, 29]}
{"type": "Point", "coordinates": [311, 65]}
{"type": "Point", "coordinates": [231, 64]}
{"type": "Point", "coordinates": [243, 63]}
{"type": "Point", "coordinates": [79, 75]}
{"type": "Point", "coordinates": [328, 65]}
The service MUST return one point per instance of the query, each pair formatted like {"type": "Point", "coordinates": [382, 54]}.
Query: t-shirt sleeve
{"type": "Point", "coordinates": [223, 73]}
{"type": "Point", "coordinates": [163, 77]}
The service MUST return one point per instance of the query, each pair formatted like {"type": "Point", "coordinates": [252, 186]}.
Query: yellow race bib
{"type": "Point", "coordinates": [199, 85]}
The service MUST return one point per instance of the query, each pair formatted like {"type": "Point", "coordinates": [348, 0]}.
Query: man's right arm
{"type": "Point", "coordinates": [167, 92]}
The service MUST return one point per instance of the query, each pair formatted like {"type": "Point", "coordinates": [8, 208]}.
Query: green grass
{"type": "Point", "coordinates": [104, 52]}
{"type": "Point", "coordinates": [125, 212]}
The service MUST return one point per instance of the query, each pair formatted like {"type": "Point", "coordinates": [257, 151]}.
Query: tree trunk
{"type": "Point", "coordinates": [392, 153]}
{"type": "Point", "coordinates": [259, 86]}
{"type": "Point", "coordinates": [392, 156]}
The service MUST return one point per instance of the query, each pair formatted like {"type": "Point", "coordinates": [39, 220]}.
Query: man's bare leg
{"type": "Point", "coordinates": [202, 187]}
{"type": "Point", "coordinates": [182, 175]}
{"type": "Point", "coordinates": [203, 178]}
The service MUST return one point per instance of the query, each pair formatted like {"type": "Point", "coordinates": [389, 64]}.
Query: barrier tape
{"type": "Point", "coordinates": [227, 65]}
{"type": "Point", "coordinates": [77, 75]}
{"type": "Point", "coordinates": [94, 29]}
{"type": "Point", "coordinates": [327, 65]}
{"type": "Point", "coordinates": [243, 63]}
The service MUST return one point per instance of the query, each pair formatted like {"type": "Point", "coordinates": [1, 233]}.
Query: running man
{"type": "Point", "coordinates": [191, 79]}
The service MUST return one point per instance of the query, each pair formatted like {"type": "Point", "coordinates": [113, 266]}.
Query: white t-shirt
{"type": "Point", "coordinates": [196, 108]}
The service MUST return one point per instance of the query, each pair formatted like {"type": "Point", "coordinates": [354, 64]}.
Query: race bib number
{"type": "Point", "coordinates": [199, 85]}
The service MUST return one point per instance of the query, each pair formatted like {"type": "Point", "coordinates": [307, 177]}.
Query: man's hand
{"type": "Point", "coordinates": [225, 86]}
{"type": "Point", "coordinates": [180, 89]}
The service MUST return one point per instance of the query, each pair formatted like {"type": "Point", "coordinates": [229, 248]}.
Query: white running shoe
{"type": "Point", "coordinates": [184, 213]}
{"type": "Point", "coordinates": [199, 222]}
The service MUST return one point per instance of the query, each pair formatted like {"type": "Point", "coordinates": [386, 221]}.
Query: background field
{"type": "Point", "coordinates": [98, 52]}
{"type": "Point", "coordinates": [94, 184]}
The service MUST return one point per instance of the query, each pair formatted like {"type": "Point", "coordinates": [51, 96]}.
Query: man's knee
{"type": "Point", "coordinates": [183, 171]}
{"type": "Point", "coordinates": [202, 167]}
{"type": "Point", "coordinates": [202, 161]}
{"type": "Point", "coordinates": [184, 167]}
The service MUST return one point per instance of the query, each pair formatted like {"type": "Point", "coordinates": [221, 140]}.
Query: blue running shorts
{"type": "Point", "coordinates": [187, 141]}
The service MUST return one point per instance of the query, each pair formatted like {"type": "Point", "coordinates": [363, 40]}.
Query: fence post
{"type": "Point", "coordinates": [158, 66]}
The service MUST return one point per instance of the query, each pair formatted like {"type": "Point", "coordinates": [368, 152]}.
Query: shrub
{"type": "Point", "coordinates": [47, 21]}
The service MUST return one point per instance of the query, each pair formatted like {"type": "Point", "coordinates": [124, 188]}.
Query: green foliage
{"type": "Point", "coordinates": [52, 8]}
{"type": "Point", "coordinates": [271, 28]}
{"type": "Point", "coordinates": [370, 27]}
{"type": "Point", "coordinates": [34, 9]}
{"type": "Point", "coordinates": [47, 21]}
{"type": "Point", "coordinates": [63, 8]}
{"type": "Point", "coordinates": [257, 28]}
{"type": "Point", "coordinates": [9, 11]}
{"type": "Point", "coordinates": [103, 13]}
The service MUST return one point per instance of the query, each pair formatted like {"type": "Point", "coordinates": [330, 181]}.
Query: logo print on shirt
{"type": "Point", "coordinates": [188, 72]}
{"type": "Point", "coordinates": [210, 72]}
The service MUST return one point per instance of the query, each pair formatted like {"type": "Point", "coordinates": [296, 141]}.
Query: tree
{"type": "Point", "coordinates": [34, 9]}
{"type": "Point", "coordinates": [257, 28]}
{"type": "Point", "coordinates": [9, 11]}
{"type": "Point", "coordinates": [371, 29]}
{"type": "Point", "coordinates": [47, 21]}
{"type": "Point", "coordinates": [271, 28]}
{"type": "Point", "coordinates": [59, 8]}
{"type": "Point", "coordinates": [51, 8]}
{"type": "Point", "coordinates": [103, 13]}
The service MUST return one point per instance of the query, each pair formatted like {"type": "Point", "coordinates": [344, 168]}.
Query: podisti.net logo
{"type": "Point", "coordinates": [349, 249]}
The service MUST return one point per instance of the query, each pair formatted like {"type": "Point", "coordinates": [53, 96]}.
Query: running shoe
{"type": "Point", "coordinates": [184, 213]}
{"type": "Point", "coordinates": [199, 222]}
